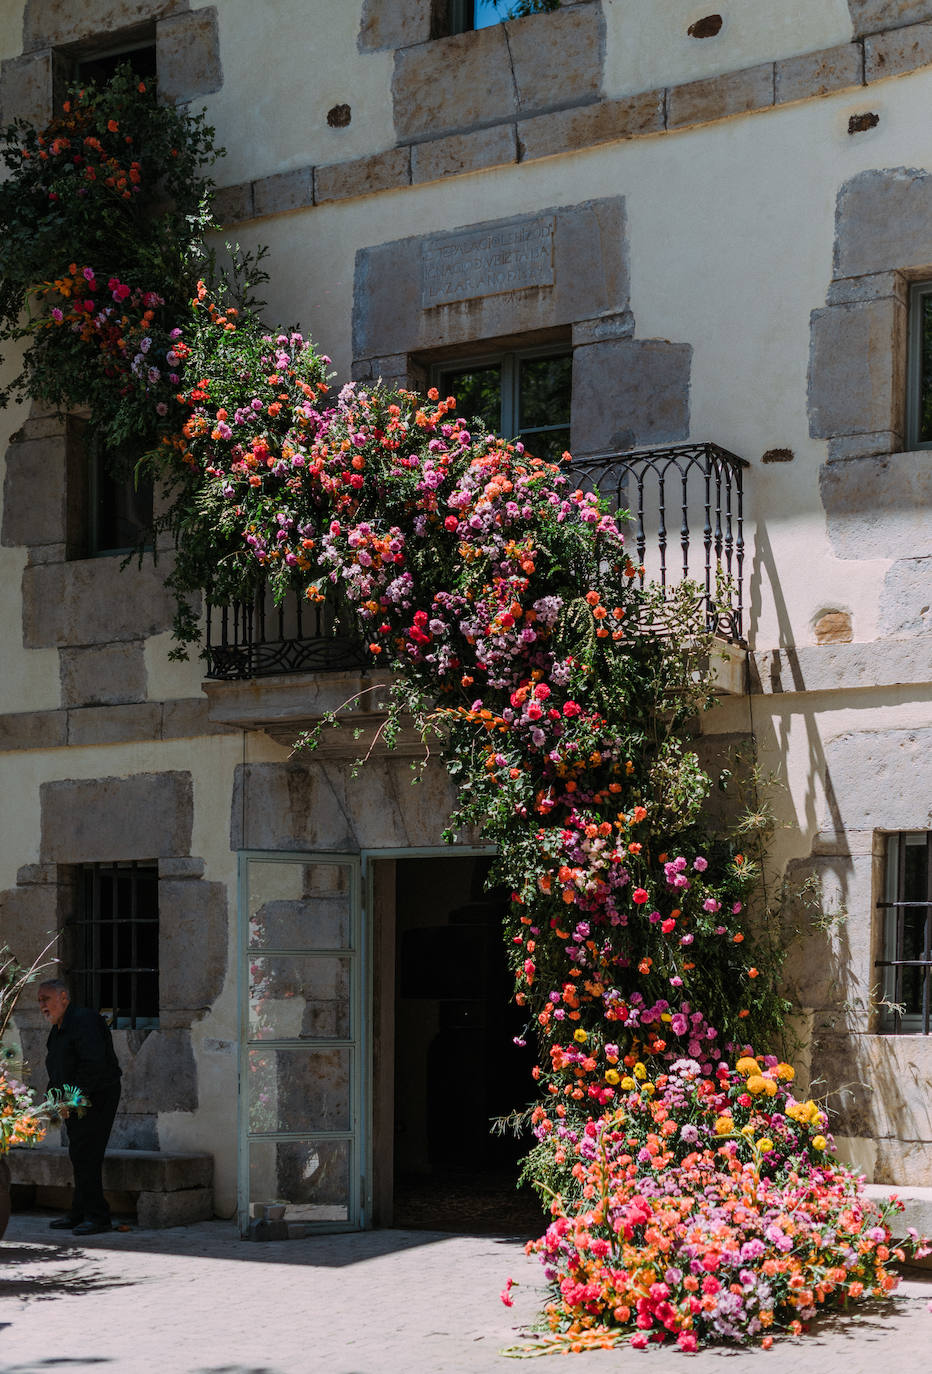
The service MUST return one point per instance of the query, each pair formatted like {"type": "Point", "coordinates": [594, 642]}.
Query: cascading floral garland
{"type": "Point", "coordinates": [693, 1197]}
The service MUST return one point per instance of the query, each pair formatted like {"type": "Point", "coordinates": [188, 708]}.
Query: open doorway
{"type": "Point", "coordinates": [456, 1064]}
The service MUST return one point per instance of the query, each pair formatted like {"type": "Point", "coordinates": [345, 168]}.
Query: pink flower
{"type": "Point", "coordinates": [505, 1294]}
{"type": "Point", "coordinates": [638, 1341]}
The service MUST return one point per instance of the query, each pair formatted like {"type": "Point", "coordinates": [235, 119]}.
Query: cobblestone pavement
{"type": "Point", "coordinates": [198, 1300]}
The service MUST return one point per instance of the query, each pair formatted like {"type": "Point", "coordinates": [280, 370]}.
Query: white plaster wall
{"type": "Point", "coordinates": [647, 43]}
{"type": "Point", "coordinates": [285, 64]}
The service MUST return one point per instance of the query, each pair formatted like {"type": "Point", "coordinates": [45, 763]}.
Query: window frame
{"type": "Point", "coordinates": [86, 972]}
{"type": "Point", "coordinates": [890, 906]}
{"type": "Point", "coordinates": [510, 360]}
{"type": "Point", "coordinates": [919, 291]}
{"type": "Point", "coordinates": [97, 472]}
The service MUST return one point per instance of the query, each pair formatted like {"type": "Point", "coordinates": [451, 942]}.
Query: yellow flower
{"type": "Point", "coordinates": [756, 1084]}
{"type": "Point", "coordinates": [765, 1145]}
{"type": "Point", "coordinates": [786, 1072]}
{"type": "Point", "coordinates": [666, 1016]}
{"type": "Point", "coordinates": [612, 1076]}
{"type": "Point", "coordinates": [747, 1066]}
{"type": "Point", "coordinates": [628, 1083]}
{"type": "Point", "coordinates": [724, 1125]}
{"type": "Point", "coordinates": [819, 1142]}
{"type": "Point", "coordinates": [649, 1089]}
{"type": "Point", "coordinates": [640, 1071]}
{"type": "Point", "coordinates": [747, 1130]}
{"type": "Point", "coordinates": [770, 1087]}
{"type": "Point", "coordinates": [580, 1036]}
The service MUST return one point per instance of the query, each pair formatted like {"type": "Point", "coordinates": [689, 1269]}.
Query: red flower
{"type": "Point", "coordinates": [639, 896]}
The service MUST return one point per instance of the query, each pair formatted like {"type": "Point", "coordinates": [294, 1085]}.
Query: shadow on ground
{"type": "Point", "coordinates": [27, 1286]}
{"type": "Point", "coordinates": [221, 1240]}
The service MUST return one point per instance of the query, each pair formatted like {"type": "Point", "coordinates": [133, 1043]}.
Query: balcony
{"type": "Point", "coordinates": [685, 524]}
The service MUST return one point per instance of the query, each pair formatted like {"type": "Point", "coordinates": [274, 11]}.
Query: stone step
{"type": "Point", "coordinates": [917, 1204]}
{"type": "Point", "coordinates": [124, 1171]}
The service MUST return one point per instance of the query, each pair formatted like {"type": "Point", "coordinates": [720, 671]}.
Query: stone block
{"type": "Point", "coordinates": [386, 24]}
{"type": "Point", "coordinates": [188, 54]}
{"type": "Point", "coordinates": [856, 368]}
{"type": "Point", "coordinates": [460, 153]}
{"type": "Point", "coordinates": [233, 204]}
{"type": "Point", "coordinates": [114, 724]}
{"type": "Point", "coordinates": [321, 806]}
{"type": "Point", "coordinates": [883, 223]}
{"type": "Point", "coordinates": [616, 324]}
{"type": "Point", "coordinates": [629, 392]}
{"type": "Point", "coordinates": [192, 916]}
{"type": "Point", "coordinates": [34, 512]}
{"type": "Point", "coordinates": [834, 627]}
{"type": "Point", "coordinates": [187, 718]}
{"type": "Point", "coordinates": [94, 601]}
{"type": "Point", "coordinates": [557, 59]}
{"type": "Point", "coordinates": [608, 121]}
{"type": "Point", "coordinates": [878, 507]}
{"type": "Point", "coordinates": [718, 97]}
{"type": "Point", "coordinates": [135, 1131]}
{"type": "Point", "coordinates": [179, 867]}
{"type": "Point", "coordinates": [36, 875]}
{"type": "Point", "coordinates": [94, 820]}
{"type": "Point", "coordinates": [876, 285]}
{"type": "Point", "coordinates": [46, 553]}
{"type": "Point", "coordinates": [33, 730]}
{"type": "Point", "coordinates": [818, 73]}
{"type": "Point", "coordinates": [898, 51]}
{"type": "Point", "coordinates": [882, 777]}
{"type": "Point", "coordinates": [156, 1211]}
{"type": "Point", "coordinates": [589, 273]}
{"type": "Point", "coordinates": [476, 87]}
{"type": "Point", "coordinates": [880, 1087]}
{"type": "Point", "coordinates": [159, 1074]}
{"type": "Point", "coordinates": [26, 89]}
{"type": "Point", "coordinates": [906, 598]}
{"type": "Point", "coordinates": [841, 667]}
{"type": "Point", "coordinates": [276, 195]}
{"type": "Point", "coordinates": [363, 177]}
{"type": "Point", "coordinates": [103, 675]}
{"type": "Point", "coordinates": [841, 447]}
{"type": "Point", "coordinates": [49, 23]}
{"type": "Point", "coordinates": [870, 16]}
{"type": "Point", "coordinates": [29, 917]}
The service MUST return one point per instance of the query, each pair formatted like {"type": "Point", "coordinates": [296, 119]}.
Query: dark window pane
{"type": "Point", "coordinates": [548, 444]}
{"type": "Point", "coordinates": [117, 942]}
{"type": "Point", "coordinates": [544, 390]}
{"type": "Point", "coordinates": [101, 69]}
{"type": "Point", "coordinates": [478, 394]}
{"type": "Point", "coordinates": [925, 372]}
{"type": "Point", "coordinates": [122, 510]}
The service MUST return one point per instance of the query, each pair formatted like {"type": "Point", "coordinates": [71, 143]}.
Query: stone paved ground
{"type": "Point", "coordinates": [198, 1300]}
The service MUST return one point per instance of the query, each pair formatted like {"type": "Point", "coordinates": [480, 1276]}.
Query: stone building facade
{"type": "Point", "coordinates": [718, 220]}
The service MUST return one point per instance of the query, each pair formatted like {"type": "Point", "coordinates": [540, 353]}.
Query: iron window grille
{"type": "Point", "coordinates": [115, 942]}
{"type": "Point", "coordinates": [907, 933]}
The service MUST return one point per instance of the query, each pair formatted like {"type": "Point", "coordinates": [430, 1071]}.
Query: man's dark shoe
{"type": "Point", "coordinates": [91, 1228]}
{"type": "Point", "coordinates": [64, 1224]}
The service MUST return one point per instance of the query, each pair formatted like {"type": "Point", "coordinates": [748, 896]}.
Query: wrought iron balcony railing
{"type": "Point", "coordinates": [685, 505]}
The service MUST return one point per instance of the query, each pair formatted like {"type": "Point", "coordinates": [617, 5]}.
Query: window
{"type": "Point", "coordinates": [119, 507]}
{"type": "Point", "coordinates": [101, 65]}
{"type": "Point", "coordinates": [522, 395]}
{"type": "Point", "coordinates": [466, 15]}
{"type": "Point", "coordinates": [115, 942]}
{"type": "Point", "coordinates": [907, 932]}
{"type": "Point", "coordinates": [919, 397]}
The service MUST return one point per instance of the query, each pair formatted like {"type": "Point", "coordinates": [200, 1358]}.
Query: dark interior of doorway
{"type": "Point", "coordinates": [456, 1064]}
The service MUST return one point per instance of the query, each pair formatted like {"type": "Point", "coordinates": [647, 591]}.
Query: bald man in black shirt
{"type": "Point", "coordinates": [79, 1052]}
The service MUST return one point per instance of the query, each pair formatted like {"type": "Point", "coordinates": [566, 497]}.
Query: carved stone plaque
{"type": "Point", "coordinates": [487, 261]}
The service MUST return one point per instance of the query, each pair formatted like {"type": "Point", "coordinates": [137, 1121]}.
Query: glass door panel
{"type": "Point", "coordinates": [301, 1054]}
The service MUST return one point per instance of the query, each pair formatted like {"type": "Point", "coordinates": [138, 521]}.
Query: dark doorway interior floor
{"type": "Point", "coordinates": [457, 1066]}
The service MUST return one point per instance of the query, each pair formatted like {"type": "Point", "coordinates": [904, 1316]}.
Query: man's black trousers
{"type": "Point", "coordinates": [87, 1142]}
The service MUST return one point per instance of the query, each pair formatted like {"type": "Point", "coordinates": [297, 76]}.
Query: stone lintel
{"type": "Point", "coordinates": [870, 16]}
{"type": "Point", "coordinates": [94, 820]}
{"type": "Point", "coordinates": [386, 171]}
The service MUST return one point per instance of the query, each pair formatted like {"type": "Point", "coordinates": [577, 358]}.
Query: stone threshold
{"type": "Point", "coordinates": [670, 109]}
